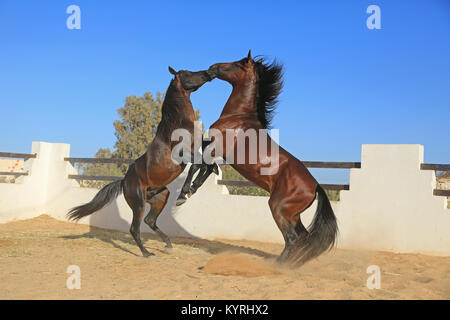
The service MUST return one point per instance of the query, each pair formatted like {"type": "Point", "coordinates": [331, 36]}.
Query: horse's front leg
{"type": "Point", "coordinates": [187, 183]}
{"type": "Point", "coordinates": [205, 172]}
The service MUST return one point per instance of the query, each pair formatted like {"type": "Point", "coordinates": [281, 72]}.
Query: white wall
{"type": "Point", "coordinates": [390, 205]}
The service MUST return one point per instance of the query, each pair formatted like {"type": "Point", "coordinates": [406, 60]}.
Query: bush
{"type": "Point", "coordinates": [228, 173]}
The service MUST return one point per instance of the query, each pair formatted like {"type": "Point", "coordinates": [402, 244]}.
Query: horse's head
{"type": "Point", "coordinates": [191, 81]}
{"type": "Point", "coordinates": [262, 79]}
{"type": "Point", "coordinates": [233, 72]}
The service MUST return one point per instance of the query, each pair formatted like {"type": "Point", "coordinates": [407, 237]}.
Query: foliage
{"type": "Point", "coordinates": [228, 173]}
{"type": "Point", "coordinates": [99, 169]}
{"type": "Point", "coordinates": [136, 128]}
{"type": "Point", "coordinates": [333, 195]}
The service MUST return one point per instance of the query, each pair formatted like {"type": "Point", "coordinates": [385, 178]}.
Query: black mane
{"type": "Point", "coordinates": [269, 86]}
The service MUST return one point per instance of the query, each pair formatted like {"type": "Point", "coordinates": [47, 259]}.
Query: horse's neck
{"type": "Point", "coordinates": [176, 109]}
{"type": "Point", "coordinates": [242, 100]}
{"type": "Point", "coordinates": [179, 102]}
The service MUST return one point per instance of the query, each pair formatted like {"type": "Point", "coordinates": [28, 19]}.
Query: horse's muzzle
{"type": "Point", "coordinates": [213, 71]}
{"type": "Point", "coordinates": [211, 75]}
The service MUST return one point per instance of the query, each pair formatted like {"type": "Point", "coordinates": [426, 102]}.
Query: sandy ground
{"type": "Point", "coordinates": [35, 254]}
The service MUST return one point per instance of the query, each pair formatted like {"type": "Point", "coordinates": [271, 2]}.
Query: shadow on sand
{"type": "Point", "coordinates": [112, 238]}
{"type": "Point", "coordinates": [105, 223]}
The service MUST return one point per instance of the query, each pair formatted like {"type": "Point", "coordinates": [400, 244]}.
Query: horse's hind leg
{"type": "Point", "coordinates": [287, 229]}
{"type": "Point", "coordinates": [287, 218]}
{"type": "Point", "coordinates": [157, 203]}
{"type": "Point", "coordinates": [138, 206]}
{"type": "Point", "coordinates": [135, 197]}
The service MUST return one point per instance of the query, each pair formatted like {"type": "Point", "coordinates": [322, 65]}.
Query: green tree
{"type": "Point", "coordinates": [100, 169]}
{"type": "Point", "coordinates": [229, 173]}
{"type": "Point", "coordinates": [139, 118]}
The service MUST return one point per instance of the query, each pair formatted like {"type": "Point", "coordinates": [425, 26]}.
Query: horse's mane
{"type": "Point", "coordinates": [269, 86]}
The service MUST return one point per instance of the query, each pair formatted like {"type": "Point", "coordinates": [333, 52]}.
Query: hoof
{"type": "Point", "coordinates": [168, 244]}
{"type": "Point", "coordinates": [148, 254]}
{"type": "Point", "coordinates": [281, 261]}
{"type": "Point", "coordinates": [180, 201]}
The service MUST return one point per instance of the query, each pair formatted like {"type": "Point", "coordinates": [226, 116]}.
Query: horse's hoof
{"type": "Point", "coordinates": [148, 254]}
{"type": "Point", "coordinates": [180, 201]}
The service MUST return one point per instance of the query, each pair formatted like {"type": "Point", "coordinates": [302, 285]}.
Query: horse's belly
{"type": "Point", "coordinates": [160, 168]}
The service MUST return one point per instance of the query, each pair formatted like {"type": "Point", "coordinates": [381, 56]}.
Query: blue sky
{"type": "Point", "coordinates": [345, 85]}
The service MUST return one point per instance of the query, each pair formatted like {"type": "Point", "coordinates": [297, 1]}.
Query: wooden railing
{"type": "Point", "coordinates": [437, 167]}
{"type": "Point", "coordinates": [234, 183]}
{"type": "Point", "coordinates": [99, 160]}
{"type": "Point", "coordinates": [96, 161]}
{"type": "Point", "coordinates": [24, 156]}
{"type": "Point", "coordinates": [246, 183]}
{"type": "Point", "coordinates": [309, 164]}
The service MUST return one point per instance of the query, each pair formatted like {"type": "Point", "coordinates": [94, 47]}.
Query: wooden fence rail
{"type": "Point", "coordinates": [440, 192]}
{"type": "Point", "coordinates": [436, 167]}
{"type": "Point", "coordinates": [99, 160]}
{"type": "Point", "coordinates": [328, 164]}
{"type": "Point", "coordinates": [332, 164]}
{"type": "Point", "coordinates": [25, 156]}
{"type": "Point", "coordinates": [246, 183]}
{"type": "Point", "coordinates": [16, 174]}
{"type": "Point", "coordinates": [100, 178]}
{"type": "Point", "coordinates": [234, 183]}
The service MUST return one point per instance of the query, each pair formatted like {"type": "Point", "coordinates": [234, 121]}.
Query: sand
{"type": "Point", "coordinates": [35, 255]}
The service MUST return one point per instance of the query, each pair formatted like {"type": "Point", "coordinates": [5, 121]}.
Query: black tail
{"type": "Point", "coordinates": [321, 235]}
{"type": "Point", "coordinates": [103, 197]}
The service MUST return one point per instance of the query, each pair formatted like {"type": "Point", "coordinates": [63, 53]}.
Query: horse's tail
{"type": "Point", "coordinates": [321, 234]}
{"type": "Point", "coordinates": [103, 197]}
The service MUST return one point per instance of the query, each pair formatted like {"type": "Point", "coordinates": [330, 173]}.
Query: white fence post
{"type": "Point", "coordinates": [390, 204]}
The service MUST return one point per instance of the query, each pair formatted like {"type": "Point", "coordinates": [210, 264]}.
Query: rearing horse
{"type": "Point", "coordinates": [256, 86]}
{"type": "Point", "coordinates": [147, 178]}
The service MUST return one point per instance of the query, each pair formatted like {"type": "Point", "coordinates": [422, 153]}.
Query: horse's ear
{"type": "Point", "coordinates": [260, 60]}
{"type": "Point", "coordinates": [172, 71]}
{"type": "Point", "coordinates": [249, 55]}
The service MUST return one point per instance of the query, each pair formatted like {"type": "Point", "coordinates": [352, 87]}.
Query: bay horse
{"type": "Point", "coordinates": [256, 86]}
{"type": "Point", "coordinates": [147, 178]}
